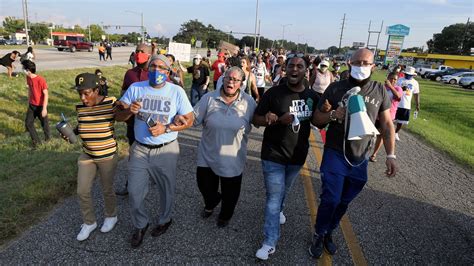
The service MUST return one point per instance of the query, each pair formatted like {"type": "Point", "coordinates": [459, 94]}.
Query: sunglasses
{"type": "Point", "coordinates": [298, 55]}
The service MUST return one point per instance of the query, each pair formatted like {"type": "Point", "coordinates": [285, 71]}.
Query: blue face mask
{"type": "Point", "coordinates": [156, 77]}
{"type": "Point", "coordinates": [408, 77]}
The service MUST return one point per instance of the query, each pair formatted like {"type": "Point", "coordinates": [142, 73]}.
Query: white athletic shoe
{"type": "Point", "coordinates": [282, 218]}
{"type": "Point", "coordinates": [86, 230]}
{"type": "Point", "coordinates": [397, 138]}
{"type": "Point", "coordinates": [109, 224]}
{"type": "Point", "coordinates": [264, 251]}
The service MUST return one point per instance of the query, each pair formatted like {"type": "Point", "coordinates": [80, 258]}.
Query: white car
{"type": "Point", "coordinates": [467, 82]}
{"type": "Point", "coordinates": [454, 78]}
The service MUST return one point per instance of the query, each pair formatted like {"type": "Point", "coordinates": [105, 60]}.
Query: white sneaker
{"type": "Point", "coordinates": [264, 251]}
{"type": "Point", "coordinates": [109, 224]}
{"type": "Point", "coordinates": [397, 138]}
{"type": "Point", "coordinates": [282, 218]}
{"type": "Point", "coordinates": [86, 230]}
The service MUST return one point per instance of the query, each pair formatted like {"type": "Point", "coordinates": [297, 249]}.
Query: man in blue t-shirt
{"type": "Point", "coordinates": [155, 151]}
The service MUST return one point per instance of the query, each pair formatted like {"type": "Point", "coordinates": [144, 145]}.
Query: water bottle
{"type": "Point", "coordinates": [65, 129]}
{"type": "Point", "coordinates": [415, 114]}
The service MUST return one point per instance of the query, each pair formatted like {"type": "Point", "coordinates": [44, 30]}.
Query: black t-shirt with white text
{"type": "Point", "coordinates": [376, 101]}
{"type": "Point", "coordinates": [280, 142]}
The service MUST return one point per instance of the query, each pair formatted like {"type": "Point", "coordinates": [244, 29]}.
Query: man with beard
{"type": "Point", "coordinates": [344, 169]}
{"type": "Point", "coordinates": [136, 74]}
{"type": "Point", "coordinates": [285, 110]}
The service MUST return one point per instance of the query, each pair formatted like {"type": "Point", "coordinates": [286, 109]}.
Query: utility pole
{"type": "Point", "coordinates": [283, 35]}
{"type": "Point", "coordinates": [258, 43]}
{"type": "Point", "coordinates": [89, 20]}
{"type": "Point", "coordinates": [25, 17]}
{"type": "Point", "coordinates": [255, 36]}
{"type": "Point", "coordinates": [464, 36]}
{"type": "Point", "coordinates": [342, 31]}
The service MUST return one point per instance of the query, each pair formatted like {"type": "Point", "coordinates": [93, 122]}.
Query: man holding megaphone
{"type": "Point", "coordinates": [355, 105]}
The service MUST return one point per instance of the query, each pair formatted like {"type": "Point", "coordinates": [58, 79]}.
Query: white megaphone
{"type": "Point", "coordinates": [360, 123]}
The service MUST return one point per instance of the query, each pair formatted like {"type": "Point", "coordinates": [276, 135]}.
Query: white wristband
{"type": "Point", "coordinates": [391, 156]}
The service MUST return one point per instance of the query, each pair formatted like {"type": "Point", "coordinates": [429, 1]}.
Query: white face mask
{"type": "Point", "coordinates": [197, 61]}
{"type": "Point", "coordinates": [26, 72]}
{"type": "Point", "coordinates": [337, 68]}
{"type": "Point", "coordinates": [361, 73]}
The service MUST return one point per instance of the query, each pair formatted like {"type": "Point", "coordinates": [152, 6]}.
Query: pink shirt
{"type": "Point", "coordinates": [394, 106]}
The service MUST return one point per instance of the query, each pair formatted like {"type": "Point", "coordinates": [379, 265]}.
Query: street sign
{"type": "Point", "coordinates": [198, 44]}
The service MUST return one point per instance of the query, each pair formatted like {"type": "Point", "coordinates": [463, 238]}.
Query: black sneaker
{"type": "Point", "coordinates": [329, 245]}
{"type": "Point", "coordinates": [316, 248]}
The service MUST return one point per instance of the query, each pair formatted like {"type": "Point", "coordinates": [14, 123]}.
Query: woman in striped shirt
{"type": "Point", "coordinates": [95, 127]}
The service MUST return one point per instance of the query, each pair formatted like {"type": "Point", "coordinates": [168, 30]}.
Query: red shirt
{"type": "Point", "coordinates": [133, 75]}
{"type": "Point", "coordinates": [36, 85]}
{"type": "Point", "coordinates": [217, 67]}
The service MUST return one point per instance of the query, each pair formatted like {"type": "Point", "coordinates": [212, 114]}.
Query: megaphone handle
{"type": "Point", "coordinates": [63, 117]}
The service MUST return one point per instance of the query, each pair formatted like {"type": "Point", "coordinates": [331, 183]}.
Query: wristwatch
{"type": "Point", "coordinates": [332, 115]}
{"type": "Point", "coordinates": [167, 129]}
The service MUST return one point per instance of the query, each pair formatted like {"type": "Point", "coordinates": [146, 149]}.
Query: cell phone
{"type": "Point", "coordinates": [150, 122]}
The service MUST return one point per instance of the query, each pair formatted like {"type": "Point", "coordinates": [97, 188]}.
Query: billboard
{"type": "Point", "coordinates": [394, 48]}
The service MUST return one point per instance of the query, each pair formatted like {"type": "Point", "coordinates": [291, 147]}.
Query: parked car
{"type": "Point", "coordinates": [467, 82]}
{"type": "Point", "coordinates": [439, 74]}
{"type": "Point", "coordinates": [424, 71]}
{"type": "Point", "coordinates": [454, 78]}
{"type": "Point", "coordinates": [3, 42]}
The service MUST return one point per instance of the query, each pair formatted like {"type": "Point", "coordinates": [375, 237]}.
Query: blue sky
{"type": "Point", "coordinates": [317, 22]}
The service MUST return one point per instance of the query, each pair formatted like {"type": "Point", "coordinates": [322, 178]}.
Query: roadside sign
{"type": "Point", "coordinates": [102, 37]}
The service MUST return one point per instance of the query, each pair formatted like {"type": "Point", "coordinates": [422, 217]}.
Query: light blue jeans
{"type": "Point", "coordinates": [278, 181]}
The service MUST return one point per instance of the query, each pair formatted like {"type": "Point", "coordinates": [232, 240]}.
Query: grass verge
{"type": "Point", "coordinates": [33, 181]}
{"type": "Point", "coordinates": [445, 120]}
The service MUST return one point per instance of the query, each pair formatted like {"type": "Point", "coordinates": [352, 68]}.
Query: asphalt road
{"type": "Point", "coordinates": [51, 58]}
{"type": "Point", "coordinates": [422, 216]}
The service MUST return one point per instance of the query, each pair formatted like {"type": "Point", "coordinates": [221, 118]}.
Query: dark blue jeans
{"type": "Point", "coordinates": [341, 183]}
{"type": "Point", "coordinates": [196, 94]}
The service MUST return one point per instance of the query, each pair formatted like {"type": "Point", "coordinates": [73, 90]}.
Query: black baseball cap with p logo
{"type": "Point", "coordinates": [86, 81]}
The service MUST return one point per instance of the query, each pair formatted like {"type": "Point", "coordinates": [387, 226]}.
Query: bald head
{"type": "Point", "coordinates": [363, 55]}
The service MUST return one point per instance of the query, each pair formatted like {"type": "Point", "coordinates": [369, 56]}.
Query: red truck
{"type": "Point", "coordinates": [71, 42]}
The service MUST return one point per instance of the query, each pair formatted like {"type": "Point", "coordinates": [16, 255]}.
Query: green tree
{"type": "Point", "coordinates": [131, 37]}
{"type": "Point", "coordinates": [332, 50]}
{"type": "Point", "coordinates": [96, 33]}
{"type": "Point", "coordinates": [456, 39]}
{"type": "Point", "coordinates": [12, 24]}
{"type": "Point", "coordinates": [38, 32]}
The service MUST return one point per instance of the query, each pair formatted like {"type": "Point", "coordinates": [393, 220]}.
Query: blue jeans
{"type": "Point", "coordinates": [278, 181]}
{"type": "Point", "coordinates": [341, 183]}
{"type": "Point", "coordinates": [196, 94]}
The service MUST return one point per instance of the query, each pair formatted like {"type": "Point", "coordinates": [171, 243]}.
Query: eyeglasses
{"type": "Point", "coordinates": [232, 79]}
{"type": "Point", "coordinates": [361, 63]}
{"type": "Point", "coordinates": [298, 55]}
